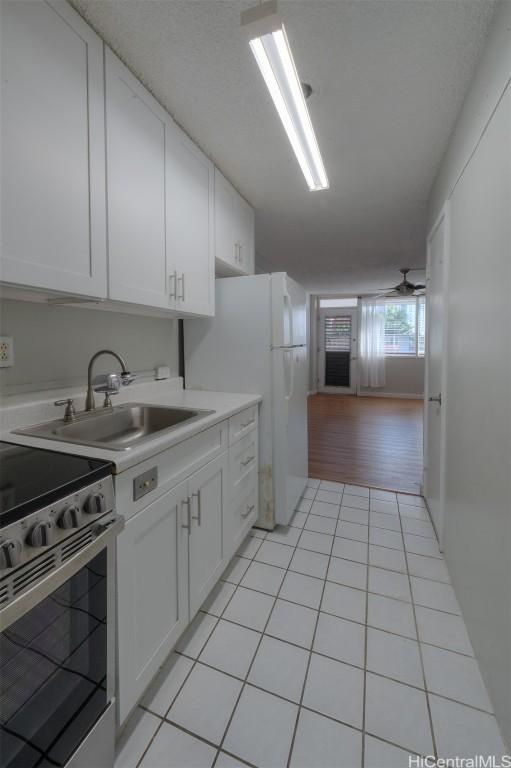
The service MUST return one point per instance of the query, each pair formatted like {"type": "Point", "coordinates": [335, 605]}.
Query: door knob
{"type": "Point", "coordinates": [436, 399]}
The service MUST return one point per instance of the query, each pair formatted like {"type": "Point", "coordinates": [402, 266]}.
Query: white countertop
{"type": "Point", "coordinates": [224, 404]}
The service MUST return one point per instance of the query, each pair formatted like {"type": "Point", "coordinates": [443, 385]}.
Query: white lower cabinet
{"type": "Point", "coordinates": [206, 550]}
{"type": "Point", "coordinates": [173, 550]}
{"type": "Point", "coordinates": [152, 592]}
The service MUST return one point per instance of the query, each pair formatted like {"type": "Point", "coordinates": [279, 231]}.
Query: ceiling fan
{"type": "Point", "coordinates": [405, 287]}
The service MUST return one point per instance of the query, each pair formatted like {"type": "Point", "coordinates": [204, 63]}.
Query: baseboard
{"type": "Point", "coordinates": [404, 395]}
{"type": "Point", "coordinates": [312, 392]}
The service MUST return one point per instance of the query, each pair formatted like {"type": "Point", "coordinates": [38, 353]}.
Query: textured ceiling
{"type": "Point", "coordinates": [389, 77]}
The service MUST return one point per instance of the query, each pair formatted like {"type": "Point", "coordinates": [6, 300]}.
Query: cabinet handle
{"type": "Point", "coordinates": [248, 424]}
{"type": "Point", "coordinates": [173, 282]}
{"type": "Point", "coordinates": [249, 510]}
{"type": "Point", "coordinates": [188, 526]}
{"type": "Point", "coordinates": [199, 509]}
{"type": "Point", "coordinates": [182, 279]}
{"type": "Point", "coordinates": [240, 259]}
{"type": "Point", "coordinates": [247, 461]}
{"type": "Point", "coordinates": [235, 251]}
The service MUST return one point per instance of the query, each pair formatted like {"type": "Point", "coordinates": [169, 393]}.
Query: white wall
{"type": "Point", "coordinates": [403, 376]}
{"type": "Point", "coordinates": [476, 178]}
{"type": "Point", "coordinates": [52, 345]}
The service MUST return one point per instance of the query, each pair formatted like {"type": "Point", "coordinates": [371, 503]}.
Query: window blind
{"type": "Point", "coordinates": [401, 327]}
{"type": "Point", "coordinates": [338, 333]}
{"type": "Point", "coordinates": [421, 326]}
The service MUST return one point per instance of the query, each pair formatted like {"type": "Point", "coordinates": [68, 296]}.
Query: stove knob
{"type": "Point", "coordinates": [41, 535]}
{"type": "Point", "coordinates": [95, 504]}
{"type": "Point", "coordinates": [69, 518]}
{"type": "Point", "coordinates": [10, 553]}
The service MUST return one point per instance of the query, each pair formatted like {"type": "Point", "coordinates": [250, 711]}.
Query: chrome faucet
{"type": "Point", "coordinates": [126, 377]}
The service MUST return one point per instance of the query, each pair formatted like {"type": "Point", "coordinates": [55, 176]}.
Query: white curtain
{"type": "Point", "coordinates": [371, 350]}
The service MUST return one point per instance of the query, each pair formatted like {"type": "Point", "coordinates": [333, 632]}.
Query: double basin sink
{"type": "Point", "coordinates": [118, 428]}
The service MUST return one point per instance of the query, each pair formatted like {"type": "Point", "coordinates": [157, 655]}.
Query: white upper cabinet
{"type": "Point", "coordinates": [234, 230]}
{"type": "Point", "coordinates": [225, 229]}
{"type": "Point", "coordinates": [53, 175]}
{"type": "Point", "coordinates": [144, 228]}
{"type": "Point", "coordinates": [246, 245]}
{"type": "Point", "coordinates": [190, 204]}
{"type": "Point", "coordinates": [136, 130]}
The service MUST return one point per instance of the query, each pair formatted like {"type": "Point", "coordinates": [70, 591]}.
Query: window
{"type": "Point", "coordinates": [405, 323]}
{"type": "Point", "coordinates": [336, 303]}
{"type": "Point", "coordinates": [338, 333]}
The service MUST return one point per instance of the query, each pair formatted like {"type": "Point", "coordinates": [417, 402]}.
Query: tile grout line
{"type": "Point", "coordinates": [163, 719]}
{"type": "Point", "coordinates": [430, 718]}
{"type": "Point", "coordinates": [342, 584]}
{"type": "Point", "coordinates": [337, 616]}
{"type": "Point", "coordinates": [323, 656]}
{"type": "Point", "coordinates": [304, 684]}
{"type": "Point", "coordinates": [366, 632]}
{"type": "Point", "coordinates": [245, 681]}
{"type": "Point", "coordinates": [263, 633]}
{"type": "Point", "coordinates": [185, 680]}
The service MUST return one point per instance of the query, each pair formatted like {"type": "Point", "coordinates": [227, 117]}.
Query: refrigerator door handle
{"type": "Point", "coordinates": [289, 346]}
{"type": "Point", "coordinates": [289, 304]}
{"type": "Point", "coordinates": [289, 353]}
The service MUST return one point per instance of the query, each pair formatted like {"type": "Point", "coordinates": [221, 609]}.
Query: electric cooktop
{"type": "Point", "coordinates": [32, 478]}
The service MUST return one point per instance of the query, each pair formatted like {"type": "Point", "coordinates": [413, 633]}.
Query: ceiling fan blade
{"type": "Point", "coordinates": [420, 287]}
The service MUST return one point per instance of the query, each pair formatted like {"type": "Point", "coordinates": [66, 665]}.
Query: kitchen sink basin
{"type": "Point", "coordinates": [118, 428]}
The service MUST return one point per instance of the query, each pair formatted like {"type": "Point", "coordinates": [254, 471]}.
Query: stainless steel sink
{"type": "Point", "coordinates": [116, 429]}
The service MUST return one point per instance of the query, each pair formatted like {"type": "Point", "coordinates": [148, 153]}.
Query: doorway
{"type": "Point", "coordinates": [337, 350]}
{"type": "Point", "coordinates": [434, 416]}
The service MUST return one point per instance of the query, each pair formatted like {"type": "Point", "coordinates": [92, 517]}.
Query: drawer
{"type": "Point", "coordinates": [243, 516]}
{"type": "Point", "coordinates": [172, 466]}
{"type": "Point", "coordinates": [243, 422]}
{"type": "Point", "coordinates": [244, 485]}
{"type": "Point", "coordinates": [244, 456]}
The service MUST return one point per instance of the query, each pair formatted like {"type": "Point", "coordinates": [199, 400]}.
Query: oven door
{"type": "Point", "coordinates": [57, 665]}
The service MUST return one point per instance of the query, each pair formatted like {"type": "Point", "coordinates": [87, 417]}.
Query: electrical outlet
{"type": "Point", "coordinates": [6, 352]}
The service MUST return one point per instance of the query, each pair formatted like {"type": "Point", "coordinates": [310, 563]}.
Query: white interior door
{"type": "Point", "coordinates": [337, 351]}
{"type": "Point", "coordinates": [434, 419]}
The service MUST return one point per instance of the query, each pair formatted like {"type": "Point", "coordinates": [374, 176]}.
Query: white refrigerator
{"type": "Point", "coordinates": [257, 343]}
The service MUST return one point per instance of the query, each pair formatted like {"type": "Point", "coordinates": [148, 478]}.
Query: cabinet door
{"type": "Point", "coordinates": [190, 190]}
{"type": "Point", "coordinates": [136, 133]}
{"type": "Point", "coordinates": [246, 237]}
{"type": "Point", "coordinates": [226, 249]}
{"type": "Point", "coordinates": [53, 173]}
{"type": "Point", "coordinates": [207, 490]}
{"type": "Point", "coordinates": [152, 592]}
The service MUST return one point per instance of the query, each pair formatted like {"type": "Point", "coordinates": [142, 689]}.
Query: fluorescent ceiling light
{"type": "Point", "coordinates": [270, 46]}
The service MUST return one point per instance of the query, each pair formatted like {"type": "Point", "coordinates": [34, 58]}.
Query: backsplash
{"type": "Point", "coordinates": [53, 344]}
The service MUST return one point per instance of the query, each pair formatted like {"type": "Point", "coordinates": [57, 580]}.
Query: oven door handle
{"type": "Point", "coordinates": [42, 589]}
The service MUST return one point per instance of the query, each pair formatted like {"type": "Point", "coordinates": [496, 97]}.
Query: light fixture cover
{"type": "Point", "coordinates": [268, 40]}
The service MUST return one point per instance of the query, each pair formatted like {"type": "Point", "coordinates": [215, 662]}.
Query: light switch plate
{"type": "Point", "coordinates": [145, 483]}
{"type": "Point", "coordinates": [6, 352]}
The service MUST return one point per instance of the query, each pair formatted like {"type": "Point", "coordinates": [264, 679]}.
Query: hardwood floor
{"type": "Point", "coordinates": [373, 441]}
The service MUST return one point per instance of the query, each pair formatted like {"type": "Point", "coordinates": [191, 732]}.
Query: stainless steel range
{"type": "Point", "coordinates": [57, 608]}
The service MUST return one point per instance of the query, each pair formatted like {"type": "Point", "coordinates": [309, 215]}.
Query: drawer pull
{"type": "Point", "coordinates": [188, 525]}
{"type": "Point", "coordinates": [249, 510]}
{"type": "Point", "coordinates": [247, 461]}
{"type": "Point", "coordinates": [248, 424]}
{"type": "Point", "coordinates": [199, 509]}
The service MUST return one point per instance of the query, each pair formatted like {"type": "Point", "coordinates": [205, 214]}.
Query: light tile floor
{"type": "Point", "coordinates": [334, 643]}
